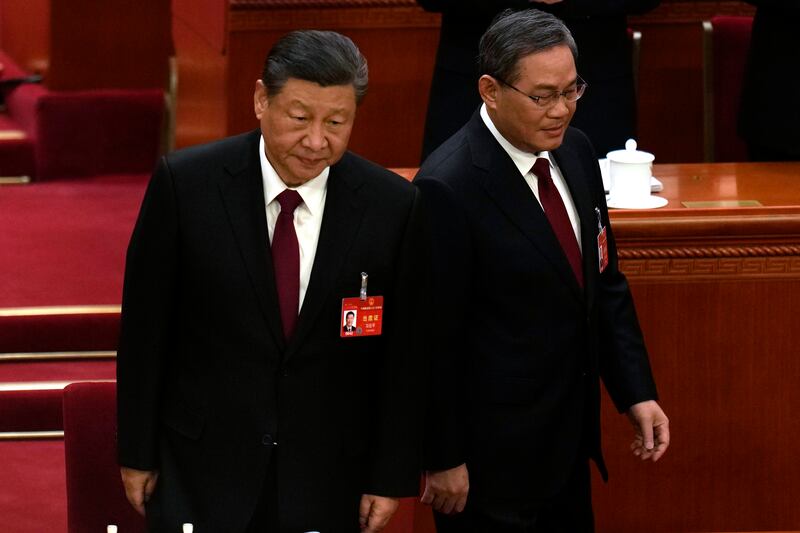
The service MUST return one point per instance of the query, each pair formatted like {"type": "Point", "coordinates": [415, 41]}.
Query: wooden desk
{"type": "Point", "coordinates": [718, 296]}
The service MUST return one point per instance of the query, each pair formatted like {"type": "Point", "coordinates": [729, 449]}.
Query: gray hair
{"type": "Point", "coordinates": [323, 57]}
{"type": "Point", "coordinates": [517, 34]}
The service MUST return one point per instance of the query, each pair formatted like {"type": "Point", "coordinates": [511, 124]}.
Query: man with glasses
{"type": "Point", "coordinates": [520, 227]}
{"type": "Point", "coordinates": [600, 28]}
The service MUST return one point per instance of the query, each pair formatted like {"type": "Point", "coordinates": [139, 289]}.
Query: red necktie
{"type": "Point", "coordinates": [286, 260]}
{"type": "Point", "coordinates": [556, 214]}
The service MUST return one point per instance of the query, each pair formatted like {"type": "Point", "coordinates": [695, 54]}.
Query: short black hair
{"type": "Point", "coordinates": [517, 34]}
{"type": "Point", "coordinates": [323, 57]}
{"type": "Point", "coordinates": [349, 314]}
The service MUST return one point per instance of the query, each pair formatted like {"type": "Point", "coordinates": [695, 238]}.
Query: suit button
{"type": "Point", "coordinates": [267, 440]}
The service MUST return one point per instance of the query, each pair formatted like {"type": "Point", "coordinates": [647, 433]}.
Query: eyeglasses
{"type": "Point", "coordinates": [550, 100]}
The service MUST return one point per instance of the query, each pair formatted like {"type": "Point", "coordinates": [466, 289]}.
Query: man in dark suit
{"type": "Point", "coordinates": [599, 27]}
{"type": "Point", "coordinates": [520, 229]}
{"type": "Point", "coordinates": [241, 407]}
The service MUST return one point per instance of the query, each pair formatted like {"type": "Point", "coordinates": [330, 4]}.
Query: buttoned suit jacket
{"type": "Point", "coordinates": [210, 393]}
{"type": "Point", "coordinates": [518, 345]}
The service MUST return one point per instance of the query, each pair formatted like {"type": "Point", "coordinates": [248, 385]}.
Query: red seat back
{"type": "Point", "coordinates": [95, 496]}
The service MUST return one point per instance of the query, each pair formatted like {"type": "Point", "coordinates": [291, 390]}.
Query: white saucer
{"type": "Point", "coordinates": [651, 202]}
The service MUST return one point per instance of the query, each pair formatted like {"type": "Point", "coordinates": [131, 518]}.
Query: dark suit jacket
{"type": "Point", "coordinates": [770, 112]}
{"type": "Point", "coordinates": [606, 112]}
{"type": "Point", "coordinates": [519, 347]}
{"type": "Point", "coordinates": [207, 384]}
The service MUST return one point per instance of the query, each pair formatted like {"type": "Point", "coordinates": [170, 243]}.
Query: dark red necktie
{"type": "Point", "coordinates": [286, 260]}
{"type": "Point", "coordinates": [556, 213]}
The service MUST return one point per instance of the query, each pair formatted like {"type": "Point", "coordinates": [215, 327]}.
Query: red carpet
{"type": "Point", "coordinates": [63, 242]}
{"type": "Point", "coordinates": [60, 371]}
{"type": "Point", "coordinates": [89, 331]}
{"type": "Point", "coordinates": [33, 499]}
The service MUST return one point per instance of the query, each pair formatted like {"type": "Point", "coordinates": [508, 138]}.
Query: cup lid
{"type": "Point", "coordinates": [630, 154]}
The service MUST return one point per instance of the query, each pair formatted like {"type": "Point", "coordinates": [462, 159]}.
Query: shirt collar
{"type": "Point", "coordinates": [312, 192]}
{"type": "Point", "coordinates": [522, 160]}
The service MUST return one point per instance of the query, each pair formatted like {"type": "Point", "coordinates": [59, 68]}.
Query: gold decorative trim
{"type": "Point", "coordinates": [11, 386]}
{"type": "Point", "coordinates": [61, 310]}
{"type": "Point", "coordinates": [31, 435]}
{"type": "Point", "coordinates": [712, 268]}
{"type": "Point", "coordinates": [709, 252]}
{"type": "Point", "coordinates": [15, 180]}
{"type": "Point", "coordinates": [350, 18]}
{"type": "Point", "coordinates": [55, 356]}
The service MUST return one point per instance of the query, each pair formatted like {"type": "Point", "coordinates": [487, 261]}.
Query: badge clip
{"type": "Point", "coordinates": [363, 293]}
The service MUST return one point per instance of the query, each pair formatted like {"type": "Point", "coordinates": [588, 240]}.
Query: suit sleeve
{"type": "Point", "coordinates": [449, 243]}
{"type": "Point", "coordinates": [623, 359]}
{"type": "Point", "coordinates": [396, 456]}
{"type": "Point", "coordinates": [147, 309]}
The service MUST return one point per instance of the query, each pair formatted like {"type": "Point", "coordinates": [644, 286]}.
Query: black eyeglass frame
{"type": "Point", "coordinates": [580, 89]}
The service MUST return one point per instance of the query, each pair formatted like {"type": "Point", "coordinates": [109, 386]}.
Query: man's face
{"type": "Point", "coordinates": [519, 119]}
{"type": "Point", "coordinates": [305, 126]}
{"type": "Point", "coordinates": [350, 319]}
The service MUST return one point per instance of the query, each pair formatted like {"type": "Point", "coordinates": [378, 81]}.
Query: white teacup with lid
{"type": "Point", "coordinates": [630, 171]}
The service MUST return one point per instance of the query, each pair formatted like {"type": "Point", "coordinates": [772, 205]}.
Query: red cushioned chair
{"type": "Point", "coordinates": [725, 46]}
{"type": "Point", "coordinates": [95, 496]}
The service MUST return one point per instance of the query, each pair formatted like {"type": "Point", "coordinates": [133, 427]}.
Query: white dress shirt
{"type": "Point", "coordinates": [524, 162]}
{"type": "Point", "coordinates": [307, 216]}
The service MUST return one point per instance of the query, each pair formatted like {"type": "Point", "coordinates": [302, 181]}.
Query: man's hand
{"type": "Point", "coordinates": [375, 511]}
{"type": "Point", "coordinates": [446, 490]}
{"type": "Point", "coordinates": [139, 486]}
{"type": "Point", "coordinates": [651, 430]}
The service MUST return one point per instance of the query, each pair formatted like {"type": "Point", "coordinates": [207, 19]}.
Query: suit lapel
{"type": "Point", "coordinates": [243, 196]}
{"type": "Point", "coordinates": [504, 184]}
{"type": "Point", "coordinates": [341, 219]}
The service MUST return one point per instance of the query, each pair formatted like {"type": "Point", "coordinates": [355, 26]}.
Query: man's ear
{"type": "Point", "coordinates": [260, 100]}
{"type": "Point", "coordinates": [487, 88]}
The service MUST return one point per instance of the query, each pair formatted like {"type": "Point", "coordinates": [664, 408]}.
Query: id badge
{"type": "Point", "coordinates": [361, 318]}
{"type": "Point", "coordinates": [602, 249]}
{"type": "Point", "coordinates": [602, 242]}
